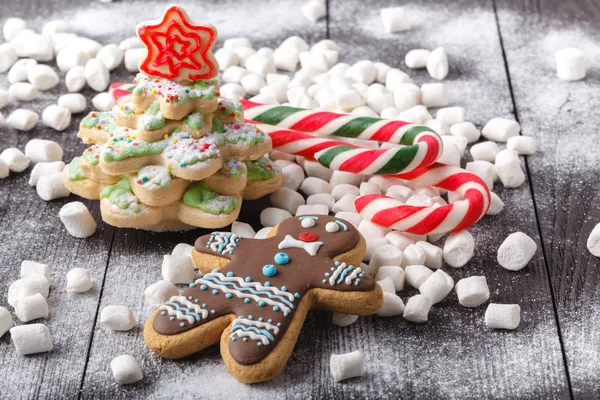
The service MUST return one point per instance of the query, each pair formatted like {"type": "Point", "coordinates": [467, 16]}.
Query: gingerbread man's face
{"type": "Point", "coordinates": [265, 282]}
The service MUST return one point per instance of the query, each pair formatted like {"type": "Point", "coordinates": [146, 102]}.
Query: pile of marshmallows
{"type": "Point", "coordinates": [81, 60]}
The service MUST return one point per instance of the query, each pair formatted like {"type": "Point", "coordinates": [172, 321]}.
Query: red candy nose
{"type": "Point", "coordinates": [308, 236]}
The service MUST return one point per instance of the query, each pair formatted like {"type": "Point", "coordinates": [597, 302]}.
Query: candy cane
{"type": "Point", "coordinates": [391, 213]}
{"type": "Point", "coordinates": [121, 92]}
{"type": "Point", "coordinates": [325, 123]}
{"type": "Point", "coordinates": [347, 157]}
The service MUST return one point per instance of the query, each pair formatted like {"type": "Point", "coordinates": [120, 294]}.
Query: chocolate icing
{"type": "Point", "coordinates": [302, 273]}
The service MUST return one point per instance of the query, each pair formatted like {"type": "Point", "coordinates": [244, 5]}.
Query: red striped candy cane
{"type": "Point", "coordinates": [325, 123]}
{"type": "Point", "coordinates": [121, 92]}
{"type": "Point", "coordinates": [391, 213]}
{"type": "Point", "coordinates": [347, 157]}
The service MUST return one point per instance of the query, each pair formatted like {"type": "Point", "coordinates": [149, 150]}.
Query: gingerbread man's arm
{"type": "Point", "coordinates": [218, 249]}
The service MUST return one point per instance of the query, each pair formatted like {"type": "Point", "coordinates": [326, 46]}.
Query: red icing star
{"type": "Point", "coordinates": [178, 49]}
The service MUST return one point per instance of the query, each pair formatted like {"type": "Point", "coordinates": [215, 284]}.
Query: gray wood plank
{"type": "Point", "coordinates": [562, 117]}
{"type": "Point", "coordinates": [466, 359]}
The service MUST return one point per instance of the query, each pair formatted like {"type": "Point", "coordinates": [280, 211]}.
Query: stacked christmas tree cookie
{"type": "Point", "coordinates": [176, 155]}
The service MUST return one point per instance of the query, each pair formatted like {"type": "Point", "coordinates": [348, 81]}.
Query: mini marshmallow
{"type": "Point", "coordinates": [395, 273]}
{"type": "Point", "coordinates": [286, 59]}
{"type": "Point", "coordinates": [22, 91]}
{"type": "Point", "coordinates": [177, 269]}
{"type": "Point", "coordinates": [14, 159]}
{"type": "Point", "coordinates": [69, 57]}
{"type": "Point", "coordinates": [392, 305]}
{"type": "Point", "coordinates": [28, 286]}
{"type": "Point", "coordinates": [417, 308]}
{"type": "Point", "coordinates": [74, 102]}
{"type": "Point", "coordinates": [415, 275]}
{"type": "Point", "coordinates": [570, 64]}
{"type": "Point", "coordinates": [472, 291]}
{"type": "Point", "coordinates": [390, 113]}
{"type": "Point", "coordinates": [417, 58]}
{"type": "Point", "coordinates": [315, 209]}
{"type": "Point", "coordinates": [293, 176]}
{"type": "Point", "coordinates": [31, 339]}
{"type": "Point", "coordinates": [103, 101]}
{"type": "Point", "coordinates": [310, 60]}
{"type": "Point", "coordinates": [18, 72]}
{"type": "Point", "coordinates": [111, 56]}
{"type": "Point", "coordinates": [287, 199]}
{"type": "Point", "coordinates": [77, 220]}
{"type": "Point", "coordinates": [317, 170]}
{"type": "Point", "coordinates": [500, 129]}
{"type": "Point", "coordinates": [29, 268]}
{"type": "Point", "coordinates": [352, 217]}
{"type": "Point", "coordinates": [510, 172]}
{"type": "Point", "coordinates": [55, 26]}
{"type": "Point", "coordinates": [349, 99]}
{"type": "Point", "coordinates": [346, 203]}
{"type": "Point", "coordinates": [160, 292]}
{"type": "Point", "coordinates": [434, 95]}
{"type": "Point", "coordinates": [56, 117]}
{"type": "Point", "coordinates": [40, 150]}
{"type": "Point", "coordinates": [272, 216]}
{"type": "Point", "coordinates": [593, 242]}
{"type": "Point", "coordinates": [451, 115]}
{"type": "Point", "coordinates": [339, 319]}
{"type": "Point", "coordinates": [312, 185]}
{"type": "Point", "coordinates": [8, 56]}
{"type": "Point", "coordinates": [126, 369]}
{"type": "Point", "coordinates": [385, 183]}
{"type": "Point", "coordinates": [399, 239]}
{"type": "Point", "coordinates": [438, 126]}
{"type": "Point", "coordinates": [372, 245]}
{"type": "Point", "coordinates": [263, 233]}
{"type": "Point", "coordinates": [51, 187]}
{"type": "Point", "coordinates": [78, 280]}
{"type": "Point", "coordinates": [31, 307]}
{"type": "Point", "coordinates": [233, 91]}
{"type": "Point", "coordinates": [459, 248]}
{"type": "Point", "coordinates": [30, 44]}
{"type": "Point", "coordinates": [371, 230]}
{"type": "Point", "coordinates": [252, 83]}
{"type": "Point", "coordinates": [233, 74]}
{"type": "Point", "coordinates": [387, 254]}
{"type": "Point", "coordinates": [524, 145]}
{"type": "Point", "coordinates": [278, 92]}
{"type": "Point", "coordinates": [364, 111]}
{"type": "Point", "coordinates": [505, 155]}
{"type": "Point", "coordinates": [387, 285]}
{"type": "Point", "coordinates": [96, 75]}
{"type": "Point", "coordinates": [419, 200]}
{"type": "Point", "coordinates": [226, 58]}
{"type": "Point", "coordinates": [314, 10]}
{"type": "Point", "coordinates": [501, 316]}
{"type": "Point", "coordinates": [345, 366]}
{"type": "Point", "coordinates": [363, 71]}
{"type": "Point", "coordinates": [417, 114]}
{"type": "Point", "coordinates": [484, 151]}
{"type": "Point", "coordinates": [42, 77]}
{"type": "Point", "coordinates": [278, 79]}
{"type": "Point", "coordinates": [343, 189]}
{"type": "Point", "coordinates": [244, 53]}
{"type": "Point", "coordinates": [132, 58]}
{"type": "Point", "coordinates": [437, 64]}
{"type": "Point", "coordinates": [6, 321]}
{"type": "Point", "coordinates": [458, 141]}
{"type": "Point", "coordinates": [433, 254]}
{"type": "Point", "coordinates": [118, 318]}
{"type": "Point", "coordinates": [339, 177]}
{"type": "Point", "coordinates": [413, 255]}
{"type": "Point", "coordinates": [45, 168]}
{"type": "Point", "coordinates": [516, 251]}
{"type": "Point", "coordinates": [75, 79]}
{"type": "Point", "coordinates": [12, 27]}
{"type": "Point", "coordinates": [321, 198]}
{"type": "Point", "coordinates": [369, 188]}
{"type": "Point", "coordinates": [183, 251]}
{"type": "Point", "coordinates": [395, 19]}
{"type": "Point", "coordinates": [483, 169]}
{"type": "Point", "coordinates": [260, 65]}
{"type": "Point", "coordinates": [496, 205]}
{"type": "Point", "coordinates": [395, 79]}
{"type": "Point", "coordinates": [437, 286]}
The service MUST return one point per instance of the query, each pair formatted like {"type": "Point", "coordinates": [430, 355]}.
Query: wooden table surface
{"type": "Point", "coordinates": [501, 64]}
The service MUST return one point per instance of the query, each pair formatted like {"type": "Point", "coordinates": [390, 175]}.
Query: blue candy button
{"type": "Point", "coordinates": [269, 270]}
{"type": "Point", "coordinates": [282, 258]}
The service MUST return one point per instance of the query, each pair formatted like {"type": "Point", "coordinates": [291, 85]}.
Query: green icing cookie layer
{"type": "Point", "coordinates": [175, 92]}
{"type": "Point", "coordinates": [198, 195]}
{"type": "Point", "coordinates": [195, 120]}
{"type": "Point", "coordinates": [121, 196]}
{"type": "Point", "coordinates": [92, 155]}
{"type": "Point", "coordinates": [75, 173]}
{"type": "Point", "coordinates": [153, 118]}
{"type": "Point", "coordinates": [261, 169]}
{"type": "Point", "coordinates": [103, 119]}
{"type": "Point", "coordinates": [124, 145]}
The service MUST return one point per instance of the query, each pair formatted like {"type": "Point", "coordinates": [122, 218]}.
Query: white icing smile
{"type": "Point", "coordinates": [310, 247]}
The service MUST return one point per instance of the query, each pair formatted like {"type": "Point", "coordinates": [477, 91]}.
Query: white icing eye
{"type": "Point", "coordinates": [332, 227]}
{"type": "Point", "coordinates": [308, 223]}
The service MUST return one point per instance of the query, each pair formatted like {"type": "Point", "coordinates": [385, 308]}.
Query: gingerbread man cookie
{"type": "Point", "coordinates": [255, 294]}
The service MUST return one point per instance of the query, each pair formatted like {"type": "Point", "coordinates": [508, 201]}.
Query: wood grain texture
{"type": "Point", "coordinates": [562, 117]}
